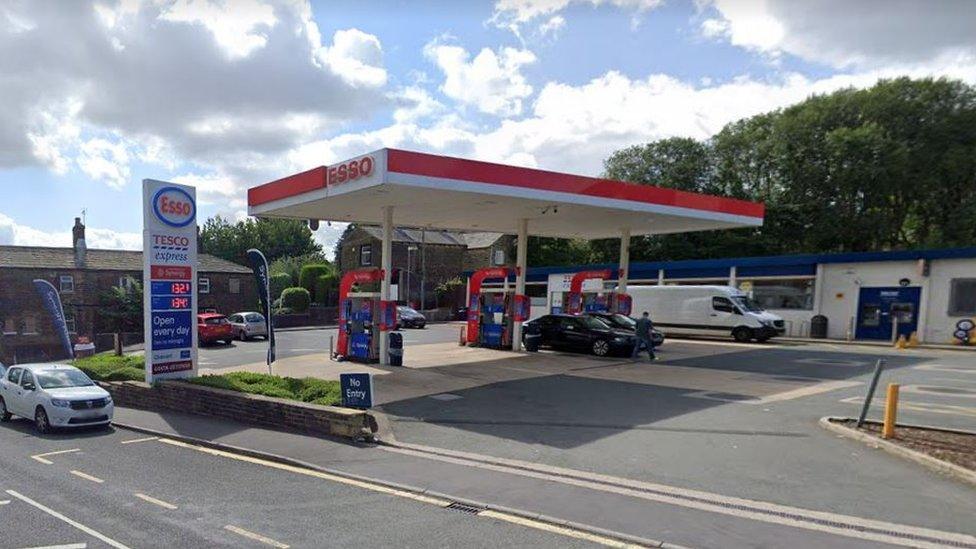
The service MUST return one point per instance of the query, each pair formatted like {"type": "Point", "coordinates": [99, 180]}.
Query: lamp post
{"type": "Point", "coordinates": [410, 248]}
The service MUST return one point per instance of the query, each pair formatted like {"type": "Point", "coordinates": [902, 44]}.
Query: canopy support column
{"type": "Point", "coordinates": [521, 258]}
{"type": "Point", "coordinates": [624, 272]}
{"type": "Point", "coordinates": [387, 261]}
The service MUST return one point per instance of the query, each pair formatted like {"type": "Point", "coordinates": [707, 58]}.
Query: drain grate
{"type": "Point", "coordinates": [464, 508]}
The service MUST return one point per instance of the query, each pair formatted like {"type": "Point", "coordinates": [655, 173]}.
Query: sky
{"type": "Point", "coordinates": [228, 94]}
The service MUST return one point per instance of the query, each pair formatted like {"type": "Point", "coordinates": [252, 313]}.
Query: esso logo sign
{"type": "Point", "coordinates": [350, 171]}
{"type": "Point", "coordinates": [174, 207]}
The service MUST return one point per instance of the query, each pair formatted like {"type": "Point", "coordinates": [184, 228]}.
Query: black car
{"type": "Point", "coordinates": [582, 333]}
{"type": "Point", "coordinates": [624, 322]}
{"type": "Point", "coordinates": [408, 317]}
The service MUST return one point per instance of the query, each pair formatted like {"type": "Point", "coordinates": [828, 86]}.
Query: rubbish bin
{"type": "Point", "coordinates": [84, 349]}
{"type": "Point", "coordinates": [533, 336]}
{"type": "Point", "coordinates": [396, 349]}
{"type": "Point", "coordinates": [818, 327]}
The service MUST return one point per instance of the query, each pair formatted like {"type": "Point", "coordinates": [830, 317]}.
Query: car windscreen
{"type": "Point", "coordinates": [624, 321]}
{"type": "Point", "coordinates": [254, 317]}
{"type": "Point", "coordinates": [216, 320]}
{"type": "Point", "coordinates": [407, 310]}
{"type": "Point", "coordinates": [594, 323]}
{"type": "Point", "coordinates": [57, 379]}
{"type": "Point", "coordinates": [747, 304]}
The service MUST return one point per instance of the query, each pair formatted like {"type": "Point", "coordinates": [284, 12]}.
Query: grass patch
{"type": "Point", "coordinates": [108, 367]}
{"type": "Point", "coordinates": [309, 389]}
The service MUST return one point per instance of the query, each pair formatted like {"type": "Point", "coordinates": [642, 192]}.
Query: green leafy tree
{"type": "Point", "coordinates": [278, 282]}
{"type": "Point", "coordinates": [120, 309]}
{"type": "Point", "coordinates": [274, 237]}
{"type": "Point", "coordinates": [326, 288]}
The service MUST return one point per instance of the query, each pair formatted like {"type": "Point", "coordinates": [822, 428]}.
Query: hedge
{"type": "Point", "coordinates": [278, 283]}
{"type": "Point", "coordinates": [310, 274]}
{"type": "Point", "coordinates": [325, 286]}
{"type": "Point", "coordinates": [296, 299]}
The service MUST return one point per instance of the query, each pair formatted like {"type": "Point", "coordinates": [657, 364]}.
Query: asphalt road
{"type": "Point", "coordinates": [303, 342]}
{"type": "Point", "coordinates": [114, 488]}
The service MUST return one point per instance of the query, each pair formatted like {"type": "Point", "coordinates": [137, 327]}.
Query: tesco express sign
{"type": "Point", "coordinates": [350, 171]}
{"type": "Point", "coordinates": [174, 207]}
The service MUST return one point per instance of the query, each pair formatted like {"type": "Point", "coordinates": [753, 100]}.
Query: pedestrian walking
{"type": "Point", "coordinates": [643, 333]}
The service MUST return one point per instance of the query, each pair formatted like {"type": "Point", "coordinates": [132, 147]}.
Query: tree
{"type": "Point", "coordinates": [120, 308]}
{"type": "Point", "coordinates": [274, 237]}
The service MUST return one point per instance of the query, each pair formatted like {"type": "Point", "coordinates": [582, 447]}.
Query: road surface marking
{"type": "Point", "coordinates": [554, 529]}
{"type": "Point", "coordinates": [86, 476]}
{"type": "Point", "coordinates": [40, 457]}
{"type": "Point", "coordinates": [255, 537]}
{"type": "Point", "coordinates": [946, 368]}
{"type": "Point", "coordinates": [824, 387]}
{"type": "Point", "coordinates": [439, 502]}
{"type": "Point", "coordinates": [93, 533]}
{"type": "Point", "coordinates": [917, 406]}
{"type": "Point", "coordinates": [155, 501]}
{"type": "Point", "coordinates": [65, 546]}
{"type": "Point", "coordinates": [135, 440]}
{"type": "Point", "coordinates": [843, 525]}
{"type": "Point", "coordinates": [4, 502]}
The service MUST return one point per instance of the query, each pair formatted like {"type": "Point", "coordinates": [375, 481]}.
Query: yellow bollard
{"type": "Point", "coordinates": [891, 411]}
{"type": "Point", "coordinates": [900, 343]}
{"type": "Point", "coordinates": [913, 340]}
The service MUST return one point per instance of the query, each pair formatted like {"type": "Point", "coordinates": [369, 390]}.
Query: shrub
{"type": "Point", "coordinates": [317, 391]}
{"type": "Point", "coordinates": [325, 287]}
{"type": "Point", "coordinates": [311, 273]}
{"type": "Point", "coordinates": [278, 283]}
{"type": "Point", "coordinates": [296, 299]}
{"type": "Point", "coordinates": [108, 367]}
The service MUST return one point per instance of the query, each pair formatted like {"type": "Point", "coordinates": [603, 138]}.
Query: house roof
{"type": "Point", "coordinates": [36, 257]}
{"type": "Point", "coordinates": [433, 236]}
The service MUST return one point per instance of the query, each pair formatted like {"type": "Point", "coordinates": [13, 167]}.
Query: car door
{"type": "Point", "coordinates": [723, 313]}
{"type": "Point", "coordinates": [28, 394]}
{"type": "Point", "coordinates": [573, 334]}
{"type": "Point", "coordinates": [10, 390]}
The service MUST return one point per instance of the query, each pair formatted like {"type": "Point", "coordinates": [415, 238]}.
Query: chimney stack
{"type": "Point", "coordinates": [78, 243]}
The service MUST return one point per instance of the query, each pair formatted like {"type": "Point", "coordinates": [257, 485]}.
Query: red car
{"type": "Point", "coordinates": [213, 327]}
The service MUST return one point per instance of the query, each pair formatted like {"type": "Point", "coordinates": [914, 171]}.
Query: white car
{"type": "Point", "coordinates": [53, 395]}
{"type": "Point", "coordinates": [248, 325]}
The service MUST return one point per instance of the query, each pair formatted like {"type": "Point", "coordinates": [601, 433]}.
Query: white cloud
{"type": "Point", "coordinates": [514, 14]}
{"type": "Point", "coordinates": [492, 82]}
{"type": "Point", "coordinates": [215, 189]}
{"type": "Point", "coordinates": [357, 57]}
{"type": "Point", "coordinates": [552, 26]}
{"type": "Point", "coordinates": [843, 34]}
{"type": "Point", "coordinates": [234, 24]}
{"type": "Point", "coordinates": [13, 233]}
{"type": "Point", "coordinates": [105, 161]}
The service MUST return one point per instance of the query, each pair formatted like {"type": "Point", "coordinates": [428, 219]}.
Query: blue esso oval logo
{"type": "Point", "coordinates": [174, 207]}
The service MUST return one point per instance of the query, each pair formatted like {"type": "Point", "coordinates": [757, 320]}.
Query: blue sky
{"type": "Point", "coordinates": [226, 94]}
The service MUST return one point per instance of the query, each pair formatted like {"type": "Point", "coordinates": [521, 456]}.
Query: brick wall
{"type": "Point", "coordinates": [290, 415]}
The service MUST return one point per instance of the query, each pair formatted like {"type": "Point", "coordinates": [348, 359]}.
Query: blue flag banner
{"type": "Point", "coordinates": [52, 302]}
{"type": "Point", "coordinates": [260, 266]}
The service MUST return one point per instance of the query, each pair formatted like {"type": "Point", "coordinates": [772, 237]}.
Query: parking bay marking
{"type": "Point", "coordinates": [155, 501]}
{"type": "Point", "coordinates": [63, 546]}
{"type": "Point", "coordinates": [62, 518]}
{"type": "Point", "coordinates": [86, 476]}
{"type": "Point", "coordinates": [135, 440]}
{"type": "Point", "coordinates": [41, 457]}
{"type": "Point", "coordinates": [930, 407]}
{"type": "Point", "coordinates": [255, 537]}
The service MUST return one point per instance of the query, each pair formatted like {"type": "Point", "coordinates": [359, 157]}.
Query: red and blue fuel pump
{"type": "Point", "coordinates": [363, 316]}
{"type": "Point", "coordinates": [493, 312]}
{"type": "Point", "coordinates": [576, 301]}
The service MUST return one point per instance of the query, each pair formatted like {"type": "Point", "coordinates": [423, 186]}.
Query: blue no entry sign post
{"type": "Point", "coordinates": [357, 390]}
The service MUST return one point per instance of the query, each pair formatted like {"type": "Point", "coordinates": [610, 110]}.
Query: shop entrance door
{"type": "Point", "coordinates": [879, 308]}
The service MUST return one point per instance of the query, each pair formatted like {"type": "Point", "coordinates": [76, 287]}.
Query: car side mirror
{"type": "Point", "coordinates": [29, 387]}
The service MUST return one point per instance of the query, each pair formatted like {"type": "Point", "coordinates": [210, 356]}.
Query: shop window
{"type": "Point", "coordinates": [962, 297]}
{"type": "Point", "coordinates": [366, 255]}
{"type": "Point", "coordinates": [203, 286]}
{"type": "Point", "coordinates": [794, 294]}
{"type": "Point", "coordinates": [235, 286]}
{"type": "Point", "coordinates": [28, 326]}
{"type": "Point", "coordinates": [8, 326]}
{"type": "Point", "coordinates": [67, 283]}
{"type": "Point", "coordinates": [69, 321]}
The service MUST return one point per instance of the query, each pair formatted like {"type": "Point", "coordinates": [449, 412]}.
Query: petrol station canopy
{"type": "Point", "coordinates": [440, 192]}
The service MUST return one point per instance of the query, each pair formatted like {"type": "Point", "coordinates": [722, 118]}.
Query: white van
{"type": "Point", "coordinates": [705, 310]}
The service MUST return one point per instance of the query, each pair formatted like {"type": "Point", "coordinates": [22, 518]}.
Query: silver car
{"type": "Point", "coordinates": [248, 325]}
{"type": "Point", "coordinates": [53, 395]}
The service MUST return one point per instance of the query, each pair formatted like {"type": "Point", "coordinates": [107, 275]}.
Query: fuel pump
{"type": "Point", "coordinates": [492, 313]}
{"type": "Point", "coordinates": [362, 317]}
{"type": "Point", "coordinates": [577, 301]}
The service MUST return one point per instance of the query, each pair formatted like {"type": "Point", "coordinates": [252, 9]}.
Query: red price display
{"type": "Point", "coordinates": [180, 288]}
{"type": "Point", "coordinates": [180, 303]}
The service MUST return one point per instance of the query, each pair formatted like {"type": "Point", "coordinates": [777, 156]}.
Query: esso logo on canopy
{"type": "Point", "coordinates": [174, 206]}
{"type": "Point", "coordinates": [350, 171]}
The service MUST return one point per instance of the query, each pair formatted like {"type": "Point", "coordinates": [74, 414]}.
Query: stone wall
{"type": "Point", "coordinates": [289, 415]}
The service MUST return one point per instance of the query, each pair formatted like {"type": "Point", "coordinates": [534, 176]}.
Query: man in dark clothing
{"type": "Point", "coordinates": [643, 333]}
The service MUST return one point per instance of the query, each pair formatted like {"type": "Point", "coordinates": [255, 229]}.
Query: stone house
{"type": "Point", "coordinates": [425, 258]}
{"type": "Point", "coordinates": [82, 277]}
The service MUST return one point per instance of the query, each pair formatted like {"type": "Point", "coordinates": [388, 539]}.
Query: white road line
{"type": "Point", "coordinates": [40, 457]}
{"type": "Point", "coordinates": [255, 537]}
{"type": "Point", "coordinates": [4, 502]}
{"type": "Point", "coordinates": [155, 501]}
{"type": "Point", "coordinates": [135, 440]}
{"type": "Point", "coordinates": [86, 476]}
{"type": "Point", "coordinates": [65, 546]}
{"type": "Point", "coordinates": [91, 532]}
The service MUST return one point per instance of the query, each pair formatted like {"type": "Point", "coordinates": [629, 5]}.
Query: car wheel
{"type": "Point", "coordinates": [601, 347]}
{"type": "Point", "coordinates": [243, 336]}
{"type": "Point", "coordinates": [742, 334]}
{"type": "Point", "coordinates": [41, 423]}
{"type": "Point", "coordinates": [4, 413]}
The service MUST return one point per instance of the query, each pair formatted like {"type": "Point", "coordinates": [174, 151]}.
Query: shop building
{"type": "Point", "coordinates": [861, 294]}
